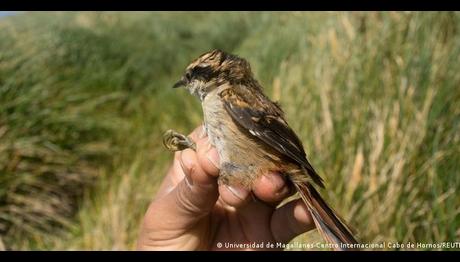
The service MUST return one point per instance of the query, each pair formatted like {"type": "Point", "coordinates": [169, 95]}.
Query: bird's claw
{"type": "Point", "coordinates": [175, 141]}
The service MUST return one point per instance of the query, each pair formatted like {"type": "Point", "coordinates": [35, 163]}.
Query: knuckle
{"type": "Point", "coordinates": [184, 200]}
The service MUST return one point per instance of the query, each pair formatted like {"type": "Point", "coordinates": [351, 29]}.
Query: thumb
{"type": "Point", "coordinates": [192, 199]}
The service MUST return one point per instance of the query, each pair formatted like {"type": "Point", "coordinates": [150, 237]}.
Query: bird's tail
{"type": "Point", "coordinates": [329, 224]}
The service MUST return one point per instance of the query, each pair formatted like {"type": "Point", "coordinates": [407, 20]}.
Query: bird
{"type": "Point", "coordinates": [252, 137]}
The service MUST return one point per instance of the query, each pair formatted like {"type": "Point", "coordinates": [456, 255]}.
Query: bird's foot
{"type": "Point", "coordinates": [175, 141]}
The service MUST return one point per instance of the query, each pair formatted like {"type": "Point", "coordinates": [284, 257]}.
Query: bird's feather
{"type": "Point", "coordinates": [329, 224]}
{"type": "Point", "coordinates": [264, 119]}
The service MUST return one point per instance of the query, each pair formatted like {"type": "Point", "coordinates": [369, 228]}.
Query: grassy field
{"type": "Point", "coordinates": [85, 98]}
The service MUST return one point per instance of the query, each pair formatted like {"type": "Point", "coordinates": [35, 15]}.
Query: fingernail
{"type": "Point", "coordinates": [238, 192]}
{"type": "Point", "coordinates": [213, 157]}
{"type": "Point", "coordinates": [188, 181]}
{"type": "Point", "coordinates": [276, 181]}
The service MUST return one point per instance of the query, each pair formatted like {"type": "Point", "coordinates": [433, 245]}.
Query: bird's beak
{"type": "Point", "coordinates": [180, 83]}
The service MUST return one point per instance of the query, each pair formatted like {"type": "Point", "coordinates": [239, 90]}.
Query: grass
{"type": "Point", "coordinates": [85, 97]}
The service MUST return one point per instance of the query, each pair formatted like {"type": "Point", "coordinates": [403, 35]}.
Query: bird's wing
{"type": "Point", "coordinates": [264, 120]}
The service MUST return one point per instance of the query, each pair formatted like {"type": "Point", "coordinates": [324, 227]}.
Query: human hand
{"type": "Point", "coordinates": [192, 212]}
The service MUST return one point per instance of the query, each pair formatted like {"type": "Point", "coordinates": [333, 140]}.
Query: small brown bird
{"type": "Point", "coordinates": [252, 137]}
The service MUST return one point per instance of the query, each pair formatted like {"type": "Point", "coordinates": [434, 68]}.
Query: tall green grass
{"type": "Point", "coordinates": [85, 97]}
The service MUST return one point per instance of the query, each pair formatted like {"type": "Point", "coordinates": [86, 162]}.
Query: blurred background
{"type": "Point", "coordinates": [86, 96]}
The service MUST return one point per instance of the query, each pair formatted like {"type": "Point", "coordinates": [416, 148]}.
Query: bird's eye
{"type": "Point", "coordinates": [188, 76]}
{"type": "Point", "coordinates": [202, 71]}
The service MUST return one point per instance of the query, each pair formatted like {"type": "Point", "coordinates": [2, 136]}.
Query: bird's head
{"type": "Point", "coordinates": [213, 69]}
